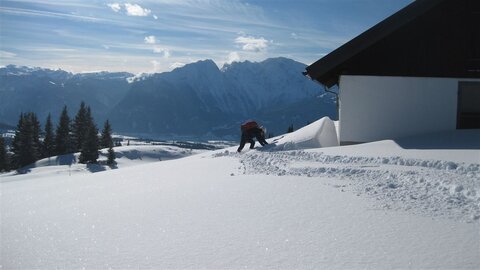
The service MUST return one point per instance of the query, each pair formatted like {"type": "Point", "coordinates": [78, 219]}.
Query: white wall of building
{"type": "Point", "coordinates": [375, 108]}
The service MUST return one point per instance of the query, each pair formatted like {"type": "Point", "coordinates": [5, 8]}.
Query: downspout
{"type": "Point", "coordinates": [325, 88]}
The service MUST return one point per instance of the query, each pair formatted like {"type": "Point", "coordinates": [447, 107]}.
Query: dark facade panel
{"type": "Point", "coordinates": [474, 22]}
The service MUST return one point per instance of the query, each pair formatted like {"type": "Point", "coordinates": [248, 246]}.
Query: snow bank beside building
{"type": "Point", "coordinates": [424, 186]}
{"type": "Point", "coordinates": [319, 134]}
{"type": "Point", "coordinates": [432, 174]}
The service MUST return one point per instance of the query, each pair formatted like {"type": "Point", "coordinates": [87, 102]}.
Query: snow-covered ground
{"type": "Point", "coordinates": [410, 203]}
{"type": "Point", "coordinates": [126, 156]}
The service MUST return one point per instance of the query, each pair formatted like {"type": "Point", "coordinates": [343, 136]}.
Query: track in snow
{"type": "Point", "coordinates": [428, 187]}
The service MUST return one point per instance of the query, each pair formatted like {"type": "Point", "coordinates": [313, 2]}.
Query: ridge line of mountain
{"type": "Point", "coordinates": [198, 99]}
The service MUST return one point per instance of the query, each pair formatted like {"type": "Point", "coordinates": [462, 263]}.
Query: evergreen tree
{"type": "Point", "coordinates": [49, 140]}
{"type": "Point", "coordinates": [89, 118]}
{"type": "Point", "coordinates": [62, 138]}
{"type": "Point", "coordinates": [111, 156]}
{"type": "Point", "coordinates": [36, 129]}
{"type": "Point", "coordinates": [79, 127]}
{"type": "Point", "coordinates": [23, 145]}
{"type": "Point", "coordinates": [16, 142]}
{"type": "Point", "coordinates": [106, 140]}
{"type": "Point", "coordinates": [290, 129]}
{"type": "Point", "coordinates": [3, 156]}
{"type": "Point", "coordinates": [89, 153]}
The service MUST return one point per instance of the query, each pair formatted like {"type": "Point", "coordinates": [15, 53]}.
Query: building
{"type": "Point", "coordinates": [416, 72]}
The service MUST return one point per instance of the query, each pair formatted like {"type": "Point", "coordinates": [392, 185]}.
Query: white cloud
{"type": "Point", "coordinates": [150, 40]}
{"type": "Point", "coordinates": [165, 52]}
{"type": "Point", "coordinates": [155, 17]}
{"type": "Point", "coordinates": [233, 57]}
{"type": "Point", "coordinates": [252, 44]}
{"type": "Point", "coordinates": [5, 54]}
{"type": "Point", "coordinates": [136, 10]}
{"type": "Point", "coordinates": [115, 7]}
{"type": "Point", "coordinates": [156, 65]}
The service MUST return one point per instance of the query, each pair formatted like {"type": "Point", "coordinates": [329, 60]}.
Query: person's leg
{"type": "Point", "coordinates": [252, 143]}
{"type": "Point", "coordinates": [261, 139]}
{"type": "Point", "coordinates": [264, 141]}
{"type": "Point", "coordinates": [242, 144]}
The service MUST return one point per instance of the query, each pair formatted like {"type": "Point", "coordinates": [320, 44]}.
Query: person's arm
{"type": "Point", "coordinates": [242, 143]}
{"type": "Point", "coordinates": [260, 136]}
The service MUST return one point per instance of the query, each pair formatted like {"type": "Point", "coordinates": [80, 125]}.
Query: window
{"type": "Point", "coordinates": [468, 108]}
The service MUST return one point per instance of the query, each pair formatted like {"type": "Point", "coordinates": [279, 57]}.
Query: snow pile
{"type": "Point", "coordinates": [429, 187]}
{"type": "Point", "coordinates": [150, 153]}
{"type": "Point", "coordinates": [435, 174]}
{"type": "Point", "coordinates": [321, 133]}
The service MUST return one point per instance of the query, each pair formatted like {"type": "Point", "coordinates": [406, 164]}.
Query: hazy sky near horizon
{"type": "Point", "coordinates": [159, 35]}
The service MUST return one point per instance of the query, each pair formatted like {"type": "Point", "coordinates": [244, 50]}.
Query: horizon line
{"type": "Point", "coordinates": [144, 73]}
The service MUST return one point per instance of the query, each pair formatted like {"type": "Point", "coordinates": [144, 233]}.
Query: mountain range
{"type": "Point", "coordinates": [198, 100]}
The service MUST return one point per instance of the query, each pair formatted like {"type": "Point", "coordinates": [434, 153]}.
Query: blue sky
{"type": "Point", "coordinates": [159, 35]}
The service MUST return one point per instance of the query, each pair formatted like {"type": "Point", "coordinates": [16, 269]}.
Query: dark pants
{"type": "Point", "coordinates": [248, 135]}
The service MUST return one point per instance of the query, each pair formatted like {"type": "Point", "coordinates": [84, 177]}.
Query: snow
{"type": "Point", "coordinates": [126, 156]}
{"type": "Point", "coordinates": [321, 133]}
{"type": "Point", "coordinates": [382, 205]}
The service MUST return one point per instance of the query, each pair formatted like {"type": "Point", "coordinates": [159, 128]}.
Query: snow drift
{"type": "Point", "coordinates": [321, 133]}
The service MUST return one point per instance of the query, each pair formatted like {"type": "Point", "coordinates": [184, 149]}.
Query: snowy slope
{"type": "Point", "coordinates": [263, 208]}
{"type": "Point", "coordinates": [126, 156]}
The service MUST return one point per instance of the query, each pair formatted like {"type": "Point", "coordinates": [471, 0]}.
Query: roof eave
{"type": "Point", "coordinates": [324, 69]}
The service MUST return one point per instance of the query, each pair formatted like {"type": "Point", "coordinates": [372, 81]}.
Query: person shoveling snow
{"type": "Point", "coordinates": [249, 130]}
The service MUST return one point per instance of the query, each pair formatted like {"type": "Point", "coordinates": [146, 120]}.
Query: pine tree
{"type": "Point", "coordinates": [23, 145]}
{"type": "Point", "coordinates": [111, 156]}
{"type": "Point", "coordinates": [49, 140]}
{"type": "Point", "coordinates": [290, 129]}
{"type": "Point", "coordinates": [36, 129]}
{"type": "Point", "coordinates": [3, 156]}
{"type": "Point", "coordinates": [106, 140]}
{"type": "Point", "coordinates": [62, 138]}
{"type": "Point", "coordinates": [16, 142]}
{"type": "Point", "coordinates": [89, 153]}
{"type": "Point", "coordinates": [79, 127]}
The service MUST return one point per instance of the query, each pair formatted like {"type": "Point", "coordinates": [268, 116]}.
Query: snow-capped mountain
{"type": "Point", "coordinates": [201, 99]}
{"type": "Point", "coordinates": [198, 99]}
{"type": "Point", "coordinates": [44, 91]}
{"type": "Point", "coordinates": [55, 75]}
